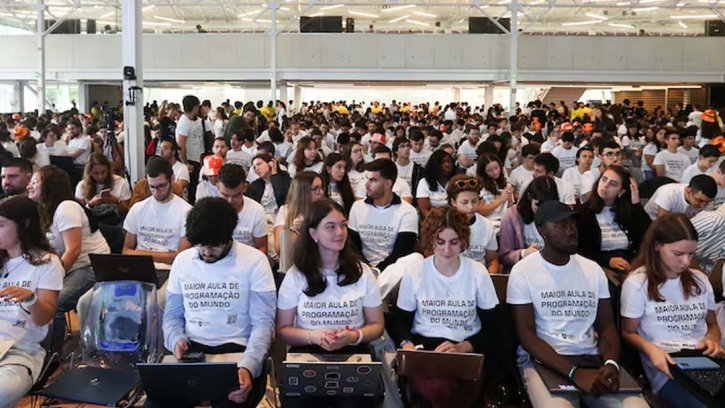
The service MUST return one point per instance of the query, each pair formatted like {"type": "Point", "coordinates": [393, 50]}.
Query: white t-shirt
{"type": "Point", "coordinates": [241, 158]}
{"type": "Point", "coordinates": [483, 238]}
{"type": "Point", "coordinates": [520, 178]}
{"type": "Point", "coordinates": [445, 306]}
{"type": "Point", "coordinates": [317, 168]}
{"type": "Point", "coordinates": [15, 324]}
{"type": "Point", "coordinates": [567, 157]}
{"type": "Point", "coordinates": [251, 224]}
{"type": "Point", "coordinates": [487, 197]}
{"type": "Point", "coordinates": [119, 189]}
{"type": "Point", "coordinates": [400, 187]}
{"type": "Point", "coordinates": [379, 227]}
{"type": "Point", "coordinates": [405, 172]}
{"type": "Point", "coordinates": [438, 198]}
{"type": "Point", "coordinates": [356, 178]}
{"type": "Point", "coordinates": [421, 158]}
{"type": "Point", "coordinates": [216, 295]}
{"type": "Point", "coordinates": [82, 142]}
{"type": "Point", "coordinates": [181, 172]}
{"type": "Point", "coordinates": [158, 227]}
{"type": "Point", "coordinates": [693, 153]}
{"type": "Point", "coordinates": [59, 148]}
{"type": "Point", "coordinates": [68, 215]}
{"type": "Point", "coordinates": [649, 150]}
{"type": "Point", "coordinates": [41, 159]}
{"type": "Point", "coordinates": [194, 137]}
{"type": "Point", "coordinates": [589, 178]}
{"type": "Point", "coordinates": [206, 189]}
{"type": "Point", "coordinates": [670, 197]}
{"type": "Point", "coordinates": [281, 219]}
{"type": "Point", "coordinates": [565, 190]}
{"type": "Point", "coordinates": [335, 308]}
{"type": "Point", "coordinates": [671, 325]}
{"type": "Point", "coordinates": [269, 201]}
{"type": "Point", "coordinates": [675, 163]}
{"type": "Point", "coordinates": [565, 300]}
{"type": "Point", "coordinates": [532, 236]}
{"type": "Point", "coordinates": [573, 177]}
{"type": "Point", "coordinates": [465, 149]}
{"type": "Point", "coordinates": [612, 235]}
{"type": "Point", "coordinates": [690, 172]}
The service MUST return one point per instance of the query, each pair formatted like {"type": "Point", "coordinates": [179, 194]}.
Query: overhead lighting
{"type": "Point", "coordinates": [361, 14]}
{"type": "Point", "coordinates": [681, 4]}
{"type": "Point", "coordinates": [113, 13]}
{"type": "Point", "coordinates": [334, 6]}
{"type": "Point", "coordinates": [694, 17]}
{"type": "Point", "coordinates": [578, 23]}
{"type": "Point", "coordinates": [147, 8]}
{"type": "Point", "coordinates": [252, 13]}
{"type": "Point", "coordinates": [316, 14]}
{"type": "Point", "coordinates": [537, 2]}
{"type": "Point", "coordinates": [504, 2]}
{"type": "Point", "coordinates": [420, 23]}
{"type": "Point", "coordinates": [395, 20]}
{"type": "Point", "coordinates": [420, 13]}
{"type": "Point", "coordinates": [284, 8]}
{"type": "Point", "coordinates": [642, 9]}
{"type": "Point", "coordinates": [592, 15]}
{"type": "Point", "coordinates": [171, 20]}
{"type": "Point", "coordinates": [153, 23]}
{"type": "Point", "coordinates": [396, 8]}
{"type": "Point", "coordinates": [620, 25]}
{"type": "Point", "coordinates": [259, 20]}
{"type": "Point", "coordinates": [683, 25]}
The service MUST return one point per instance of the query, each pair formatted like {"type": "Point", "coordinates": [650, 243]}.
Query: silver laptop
{"type": "Point", "coordinates": [329, 375]}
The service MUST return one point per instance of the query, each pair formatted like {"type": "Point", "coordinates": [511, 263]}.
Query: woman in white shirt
{"type": "Point", "coordinates": [446, 284]}
{"type": "Point", "coordinates": [31, 279]}
{"type": "Point", "coordinates": [338, 185]}
{"type": "Point", "coordinates": [573, 175]}
{"type": "Point", "coordinates": [655, 143]}
{"type": "Point", "coordinates": [353, 154]}
{"type": "Point", "coordinates": [70, 232]}
{"type": "Point", "coordinates": [220, 122]}
{"type": "Point", "coordinates": [328, 278]}
{"type": "Point", "coordinates": [306, 158]}
{"type": "Point", "coordinates": [51, 142]}
{"type": "Point", "coordinates": [431, 191]}
{"type": "Point", "coordinates": [497, 194]}
{"type": "Point", "coordinates": [107, 195]}
{"type": "Point", "coordinates": [306, 188]}
{"type": "Point", "coordinates": [668, 307]}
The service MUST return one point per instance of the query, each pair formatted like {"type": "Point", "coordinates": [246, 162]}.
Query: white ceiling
{"type": "Point", "coordinates": [656, 17]}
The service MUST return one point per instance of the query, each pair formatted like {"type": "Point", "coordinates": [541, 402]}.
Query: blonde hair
{"type": "Point", "coordinates": [299, 196]}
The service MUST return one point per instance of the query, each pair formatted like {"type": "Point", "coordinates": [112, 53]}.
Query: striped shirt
{"type": "Point", "coordinates": [711, 240]}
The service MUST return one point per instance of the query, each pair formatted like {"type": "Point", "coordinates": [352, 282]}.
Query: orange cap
{"type": "Point", "coordinates": [20, 132]}
{"type": "Point", "coordinates": [212, 165]}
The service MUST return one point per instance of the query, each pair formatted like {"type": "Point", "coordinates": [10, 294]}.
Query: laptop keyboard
{"type": "Point", "coordinates": [711, 381]}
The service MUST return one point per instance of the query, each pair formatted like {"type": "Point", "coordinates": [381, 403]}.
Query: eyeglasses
{"type": "Point", "coordinates": [404, 146]}
{"type": "Point", "coordinates": [609, 155]}
{"type": "Point", "coordinates": [317, 189]}
{"type": "Point", "coordinates": [472, 182]}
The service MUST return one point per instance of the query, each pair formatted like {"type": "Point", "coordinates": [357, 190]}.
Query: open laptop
{"type": "Point", "coordinates": [188, 382]}
{"type": "Point", "coordinates": [93, 385]}
{"type": "Point", "coordinates": [702, 375]}
{"type": "Point", "coordinates": [329, 375]}
{"type": "Point", "coordinates": [558, 383]}
{"type": "Point", "coordinates": [114, 267]}
{"type": "Point", "coordinates": [460, 366]}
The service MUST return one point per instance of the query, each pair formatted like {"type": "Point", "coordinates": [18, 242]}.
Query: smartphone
{"type": "Point", "coordinates": [106, 192]}
{"type": "Point", "coordinates": [192, 357]}
{"type": "Point", "coordinates": [695, 363]}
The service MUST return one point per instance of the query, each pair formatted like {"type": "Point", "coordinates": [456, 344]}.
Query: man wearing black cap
{"type": "Point", "coordinates": [559, 299]}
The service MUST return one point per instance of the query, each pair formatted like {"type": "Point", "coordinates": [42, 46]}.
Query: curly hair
{"type": "Point", "coordinates": [211, 222]}
{"type": "Point", "coordinates": [438, 220]}
{"type": "Point", "coordinates": [55, 188]}
{"type": "Point", "coordinates": [33, 242]}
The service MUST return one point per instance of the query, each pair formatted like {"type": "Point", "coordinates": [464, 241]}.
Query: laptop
{"type": "Point", "coordinates": [558, 383]}
{"type": "Point", "coordinates": [460, 366]}
{"type": "Point", "coordinates": [188, 382]}
{"type": "Point", "coordinates": [93, 385]}
{"type": "Point", "coordinates": [114, 267]}
{"type": "Point", "coordinates": [701, 374]}
{"type": "Point", "coordinates": [329, 375]}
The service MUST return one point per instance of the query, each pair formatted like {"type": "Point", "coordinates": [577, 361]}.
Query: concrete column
{"type": "Point", "coordinates": [456, 94]}
{"type": "Point", "coordinates": [513, 55]}
{"type": "Point", "coordinates": [488, 96]}
{"type": "Point", "coordinates": [84, 105]}
{"type": "Point", "coordinates": [133, 87]}
{"type": "Point", "coordinates": [40, 41]}
{"type": "Point", "coordinates": [18, 102]}
{"type": "Point", "coordinates": [273, 6]}
{"type": "Point", "coordinates": [283, 92]}
{"type": "Point", "coordinates": [298, 96]}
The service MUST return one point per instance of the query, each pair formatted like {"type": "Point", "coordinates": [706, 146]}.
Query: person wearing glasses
{"type": "Point", "coordinates": [220, 299]}
{"type": "Point", "coordinates": [609, 153]}
{"type": "Point", "coordinates": [306, 188]}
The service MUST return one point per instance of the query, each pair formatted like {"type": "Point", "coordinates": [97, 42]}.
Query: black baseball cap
{"type": "Point", "coordinates": [552, 211]}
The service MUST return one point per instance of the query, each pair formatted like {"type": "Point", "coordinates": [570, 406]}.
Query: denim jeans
{"type": "Point", "coordinates": [75, 284]}
{"type": "Point", "coordinates": [676, 396]}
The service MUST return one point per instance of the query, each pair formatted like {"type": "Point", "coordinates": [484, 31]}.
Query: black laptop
{"type": "Point", "coordinates": [93, 385]}
{"type": "Point", "coordinates": [114, 267]}
{"type": "Point", "coordinates": [188, 382]}
{"type": "Point", "coordinates": [556, 383]}
{"type": "Point", "coordinates": [702, 376]}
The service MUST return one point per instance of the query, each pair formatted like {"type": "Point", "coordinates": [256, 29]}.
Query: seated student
{"type": "Point", "coordinates": [338, 184]}
{"type": "Point", "coordinates": [306, 188]}
{"type": "Point", "coordinates": [682, 198]}
{"type": "Point", "coordinates": [104, 193]}
{"type": "Point", "coordinates": [566, 153]}
{"type": "Point", "coordinates": [271, 186]}
{"type": "Point", "coordinates": [15, 174]}
{"type": "Point", "coordinates": [545, 164]}
{"type": "Point", "coordinates": [709, 156]}
{"type": "Point", "coordinates": [689, 145]}
{"type": "Point", "coordinates": [573, 175]}
{"type": "Point", "coordinates": [612, 222]}
{"type": "Point", "coordinates": [463, 193]}
{"type": "Point", "coordinates": [52, 142]}
{"type": "Point", "coordinates": [711, 240]}
{"type": "Point", "coordinates": [609, 153]}
{"type": "Point", "coordinates": [400, 186]}
{"type": "Point", "coordinates": [718, 174]}
{"type": "Point", "coordinates": [353, 154]}
{"type": "Point", "coordinates": [446, 284]}
{"type": "Point", "coordinates": [306, 157]}
{"type": "Point", "coordinates": [663, 280]}
{"type": "Point", "coordinates": [237, 154]}
{"type": "Point", "coordinates": [29, 151]}
{"type": "Point", "coordinates": [408, 170]}
{"type": "Point", "coordinates": [669, 162]}
{"type": "Point", "coordinates": [519, 236]}
{"type": "Point", "coordinates": [522, 175]}
{"type": "Point", "coordinates": [383, 227]}
{"type": "Point", "coordinates": [169, 150]}
{"type": "Point", "coordinates": [328, 270]}
{"type": "Point", "coordinates": [251, 226]}
{"type": "Point", "coordinates": [418, 154]}
{"type": "Point", "coordinates": [496, 193]}
{"type": "Point", "coordinates": [431, 189]}
{"type": "Point", "coordinates": [544, 285]}
{"type": "Point", "coordinates": [32, 279]}
{"type": "Point", "coordinates": [70, 232]}
{"type": "Point", "coordinates": [210, 172]}
{"type": "Point", "coordinates": [216, 265]}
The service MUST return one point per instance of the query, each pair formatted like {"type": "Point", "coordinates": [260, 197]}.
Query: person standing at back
{"type": "Point", "coordinates": [190, 138]}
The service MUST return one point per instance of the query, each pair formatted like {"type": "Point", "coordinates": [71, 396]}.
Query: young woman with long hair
{"type": "Point", "coordinates": [497, 193]}
{"type": "Point", "coordinates": [655, 143]}
{"type": "Point", "coordinates": [271, 186]}
{"type": "Point", "coordinates": [612, 222]}
{"type": "Point", "coordinates": [338, 185]}
{"type": "Point", "coordinates": [354, 154]}
{"type": "Point", "coordinates": [307, 158]}
{"type": "Point", "coordinates": [107, 195]}
{"type": "Point", "coordinates": [31, 278]}
{"type": "Point", "coordinates": [668, 307]}
{"type": "Point", "coordinates": [306, 188]}
{"type": "Point", "coordinates": [431, 191]}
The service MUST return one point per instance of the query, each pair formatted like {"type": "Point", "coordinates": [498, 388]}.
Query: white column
{"type": "Point", "coordinates": [18, 102]}
{"type": "Point", "coordinates": [298, 96]}
{"type": "Point", "coordinates": [84, 105]}
{"type": "Point", "coordinates": [283, 92]}
{"type": "Point", "coordinates": [40, 41]}
{"type": "Point", "coordinates": [488, 96]}
{"type": "Point", "coordinates": [456, 94]}
{"type": "Point", "coordinates": [133, 107]}
{"type": "Point", "coordinates": [513, 55]}
{"type": "Point", "coordinates": [273, 5]}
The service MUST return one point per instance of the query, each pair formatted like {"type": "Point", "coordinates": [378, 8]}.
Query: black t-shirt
{"type": "Point", "coordinates": [627, 111]}
{"type": "Point", "coordinates": [168, 128]}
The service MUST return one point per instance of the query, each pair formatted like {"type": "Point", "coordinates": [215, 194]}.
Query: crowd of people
{"type": "Point", "coordinates": [338, 209]}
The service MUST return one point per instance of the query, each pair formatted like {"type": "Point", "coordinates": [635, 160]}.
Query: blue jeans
{"type": "Point", "coordinates": [648, 174]}
{"type": "Point", "coordinates": [676, 396]}
{"type": "Point", "coordinates": [75, 284]}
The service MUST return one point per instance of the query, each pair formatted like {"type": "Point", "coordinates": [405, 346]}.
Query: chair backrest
{"type": "Point", "coordinates": [121, 327]}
